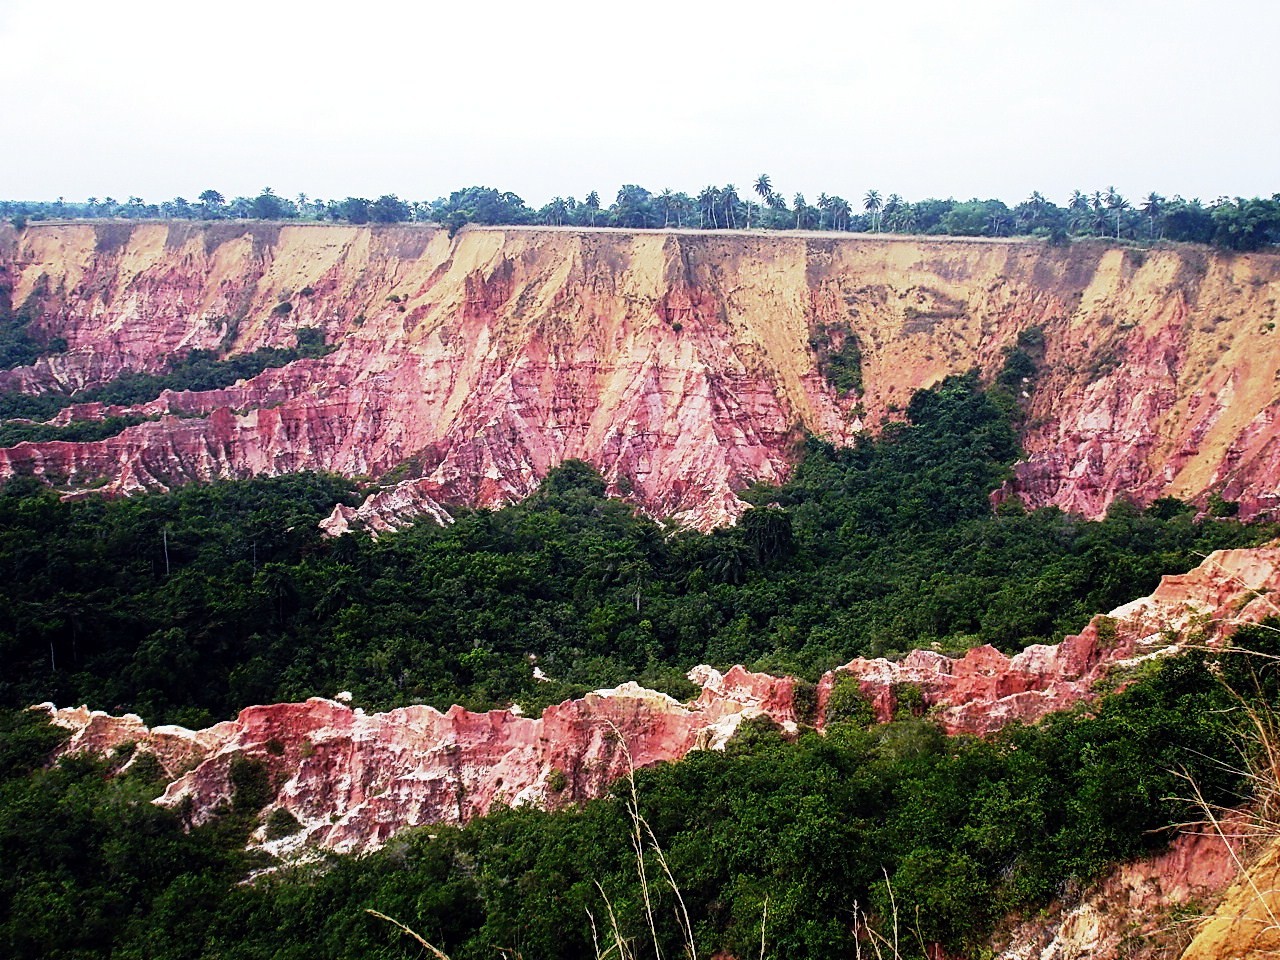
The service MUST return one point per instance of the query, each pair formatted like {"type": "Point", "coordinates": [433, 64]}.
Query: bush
{"type": "Point", "coordinates": [281, 823]}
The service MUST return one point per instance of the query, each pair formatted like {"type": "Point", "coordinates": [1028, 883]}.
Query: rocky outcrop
{"type": "Point", "coordinates": [684, 365]}
{"type": "Point", "coordinates": [1142, 910]}
{"type": "Point", "coordinates": [1246, 925]}
{"type": "Point", "coordinates": [985, 690]}
{"type": "Point", "coordinates": [353, 779]}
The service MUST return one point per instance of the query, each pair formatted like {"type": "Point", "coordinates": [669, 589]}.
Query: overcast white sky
{"type": "Point", "coordinates": [964, 98]}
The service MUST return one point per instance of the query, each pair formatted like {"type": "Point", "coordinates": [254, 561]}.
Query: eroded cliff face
{"type": "Point", "coordinates": [353, 779]}
{"type": "Point", "coordinates": [683, 365]}
{"type": "Point", "coordinates": [1246, 925]}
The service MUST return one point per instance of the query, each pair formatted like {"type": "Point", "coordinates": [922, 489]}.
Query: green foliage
{"type": "Point", "coordinates": [250, 784]}
{"type": "Point", "coordinates": [965, 829]}
{"type": "Point", "coordinates": [1232, 224]}
{"type": "Point", "coordinates": [1218, 507]}
{"type": "Point", "coordinates": [27, 740]}
{"type": "Point", "coordinates": [869, 550]}
{"type": "Point", "coordinates": [841, 366]}
{"type": "Point", "coordinates": [847, 704]}
{"type": "Point", "coordinates": [197, 370]}
{"type": "Point", "coordinates": [281, 823]}
{"type": "Point", "coordinates": [804, 700]}
{"type": "Point", "coordinates": [19, 345]}
{"type": "Point", "coordinates": [908, 701]}
{"type": "Point", "coordinates": [78, 431]}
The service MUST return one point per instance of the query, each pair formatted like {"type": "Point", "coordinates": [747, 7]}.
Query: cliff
{"type": "Point", "coordinates": [353, 779]}
{"type": "Point", "coordinates": [684, 365]}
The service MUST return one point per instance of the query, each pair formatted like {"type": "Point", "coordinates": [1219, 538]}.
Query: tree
{"type": "Point", "coordinates": [730, 201]}
{"type": "Point", "coordinates": [708, 201]}
{"type": "Point", "coordinates": [592, 203]}
{"type": "Point", "coordinates": [267, 206]}
{"type": "Point", "coordinates": [872, 204]}
{"type": "Point", "coordinates": [893, 209]}
{"type": "Point", "coordinates": [389, 208]}
{"type": "Point", "coordinates": [1078, 207]}
{"type": "Point", "coordinates": [353, 210]}
{"type": "Point", "coordinates": [554, 213]}
{"type": "Point", "coordinates": [633, 207]}
{"type": "Point", "coordinates": [1153, 207]}
{"type": "Point", "coordinates": [1116, 204]}
{"type": "Point", "coordinates": [800, 208]}
{"type": "Point", "coordinates": [764, 189]}
{"type": "Point", "coordinates": [665, 200]}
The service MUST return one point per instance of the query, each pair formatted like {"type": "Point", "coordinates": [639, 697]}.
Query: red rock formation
{"type": "Point", "coordinates": [1132, 913]}
{"type": "Point", "coordinates": [354, 779]}
{"type": "Point", "coordinates": [681, 364]}
{"type": "Point", "coordinates": [984, 690]}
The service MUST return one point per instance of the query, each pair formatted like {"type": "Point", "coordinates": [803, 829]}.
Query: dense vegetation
{"type": "Point", "coordinates": [189, 606]}
{"type": "Point", "coordinates": [195, 370]}
{"type": "Point", "coordinates": [1235, 223]}
{"type": "Point", "coordinates": [960, 830]}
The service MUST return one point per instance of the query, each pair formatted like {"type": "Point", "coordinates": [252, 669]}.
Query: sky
{"type": "Point", "coordinates": [966, 98]}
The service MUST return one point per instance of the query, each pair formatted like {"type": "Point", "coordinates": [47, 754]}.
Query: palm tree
{"type": "Point", "coordinates": [1034, 206]}
{"type": "Point", "coordinates": [841, 212]}
{"type": "Point", "coordinates": [1153, 207]}
{"type": "Point", "coordinates": [892, 208]}
{"type": "Point", "coordinates": [764, 187]}
{"type": "Point", "coordinates": [682, 205]}
{"type": "Point", "coordinates": [1117, 205]}
{"type": "Point", "coordinates": [872, 204]}
{"type": "Point", "coordinates": [665, 198]}
{"type": "Point", "coordinates": [1078, 205]}
{"type": "Point", "coordinates": [708, 200]}
{"type": "Point", "coordinates": [729, 197]}
{"type": "Point", "coordinates": [799, 202]}
{"type": "Point", "coordinates": [824, 204]}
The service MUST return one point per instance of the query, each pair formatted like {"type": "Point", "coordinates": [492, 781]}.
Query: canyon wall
{"type": "Point", "coordinates": [684, 365]}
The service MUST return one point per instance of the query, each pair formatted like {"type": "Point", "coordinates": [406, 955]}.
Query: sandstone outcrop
{"type": "Point", "coordinates": [985, 690]}
{"type": "Point", "coordinates": [1141, 910]}
{"type": "Point", "coordinates": [684, 365]}
{"type": "Point", "coordinates": [1246, 925]}
{"type": "Point", "coordinates": [353, 779]}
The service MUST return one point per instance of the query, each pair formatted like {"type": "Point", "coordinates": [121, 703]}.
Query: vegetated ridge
{"type": "Point", "coordinates": [351, 781]}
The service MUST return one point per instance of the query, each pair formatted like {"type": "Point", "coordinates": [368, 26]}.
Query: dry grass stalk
{"type": "Point", "coordinates": [433, 950]}
{"type": "Point", "coordinates": [643, 838]}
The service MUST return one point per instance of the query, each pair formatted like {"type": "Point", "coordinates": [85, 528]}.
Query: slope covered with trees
{"type": "Point", "coordinates": [189, 606]}
{"type": "Point", "coordinates": [789, 842]}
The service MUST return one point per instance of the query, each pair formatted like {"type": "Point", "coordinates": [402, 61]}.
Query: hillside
{"type": "Point", "coordinates": [865, 683]}
{"type": "Point", "coordinates": [685, 366]}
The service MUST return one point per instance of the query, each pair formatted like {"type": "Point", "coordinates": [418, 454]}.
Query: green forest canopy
{"type": "Point", "coordinates": [1237, 223]}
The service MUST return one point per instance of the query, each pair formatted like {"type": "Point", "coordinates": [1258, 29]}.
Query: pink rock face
{"type": "Point", "coordinates": [1129, 914]}
{"type": "Point", "coordinates": [353, 779]}
{"type": "Point", "coordinates": [682, 365]}
{"type": "Point", "coordinates": [984, 690]}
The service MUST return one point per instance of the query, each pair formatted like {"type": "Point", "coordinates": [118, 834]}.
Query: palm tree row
{"type": "Point", "coordinates": [1236, 223]}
